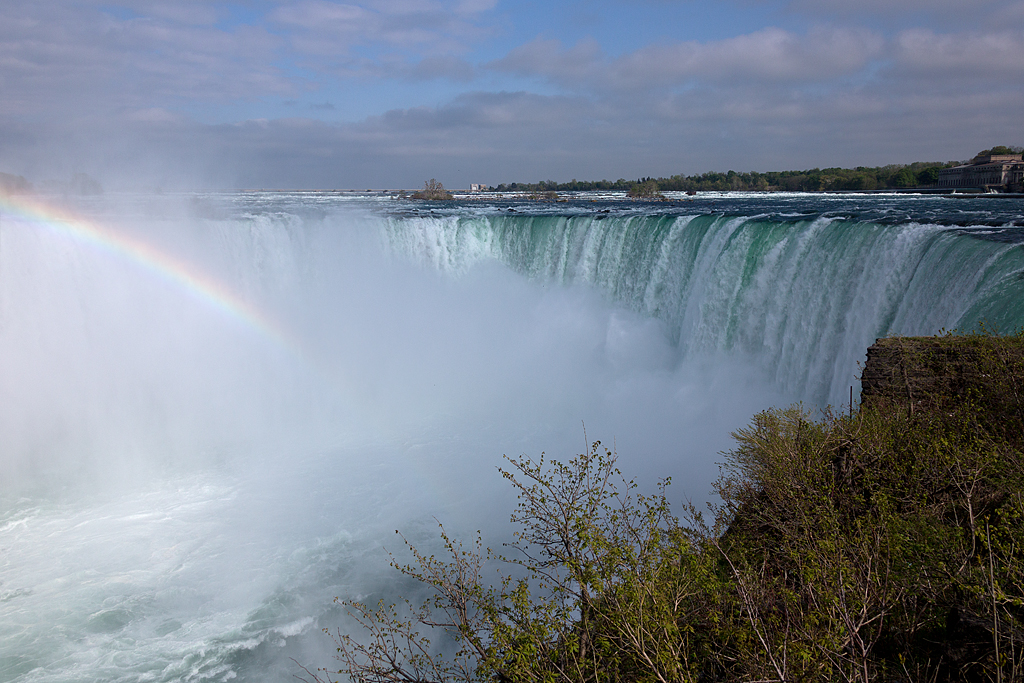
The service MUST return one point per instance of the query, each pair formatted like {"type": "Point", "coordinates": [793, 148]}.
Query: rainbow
{"type": "Point", "coordinates": [176, 273]}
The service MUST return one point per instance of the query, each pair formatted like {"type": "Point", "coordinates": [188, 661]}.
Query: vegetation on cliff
{"type": "Point", "coordinates": [879, 544]}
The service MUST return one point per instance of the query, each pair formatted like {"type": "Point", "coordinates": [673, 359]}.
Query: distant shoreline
{"type": "Point", "coordinates": [564, 195]}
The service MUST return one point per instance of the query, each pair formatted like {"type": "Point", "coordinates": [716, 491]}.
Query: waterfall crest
{"type": "Point", "coordinates": [804, 297]}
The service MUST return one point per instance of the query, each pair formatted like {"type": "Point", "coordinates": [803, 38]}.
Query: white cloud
{"type": "Point", "coordinates": [547, 58]}
{"type": "Point", "coordinates": [188, 13]}
{"type": "Point", "coordinates": [93, 59]}
{"type": "Point", "coordinates": [976, 55]}
{"type": "Point", "coordinates": [476, 6]}
{"type": "Point", "coordinates": [103, 84]}
{"type": "Point", "coordinates": [329, 29]}
{"type": "Point", "coordinates": [445, 66]}
{"type": "Point", "coordinates": [326, 16]}
{"type": "Point", "coordinates": [861, 8]}
{"type": "Point", "coordinates": [507, 136]}
{"type": "Point", "coordinates": [58, 59]}
{"type": "Point", "coordinates": [155, 115]}
{"type": "Point", "coordinates": [769, 55]}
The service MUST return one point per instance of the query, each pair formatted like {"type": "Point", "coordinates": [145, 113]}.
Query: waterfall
{"type": "Point", "coordinates": [803, 297]}
{"type": "Point", "coordinates": [216, 409]}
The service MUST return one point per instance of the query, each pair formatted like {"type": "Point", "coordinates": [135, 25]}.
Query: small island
{"type": "Point", "coordinates": [433, 190]}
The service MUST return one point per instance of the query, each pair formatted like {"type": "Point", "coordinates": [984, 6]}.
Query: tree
{"type": "Point", "coordinates": [929, 176]}
{"type": "Point", "coordinates": [433, 189]}
{"type": "Point", "coordinates": [598, 589]}
{"type": "Point", "coordinates": [998, 149]}
{"type": "Point", "coordinates": [646, 189]}
{"type": "Point", "coordinates": [904, 178]}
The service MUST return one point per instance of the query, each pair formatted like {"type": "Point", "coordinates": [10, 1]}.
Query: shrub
{"type": "Point", "coordinates": [645, 190]}
{"type": "Point", "coordinates": [880, 545]}
{"type": "Point", "coordinates": [432, 189]}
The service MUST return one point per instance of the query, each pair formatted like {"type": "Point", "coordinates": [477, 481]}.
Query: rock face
{"type": "Point", "coordinates": [928, 372]}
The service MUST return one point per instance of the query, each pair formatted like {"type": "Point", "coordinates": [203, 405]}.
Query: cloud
{"type": "Point", "coordinates": [549, 59]}
{"type": "Point", "coordinates": [510, 113]}
{"type": "Point", "coordinates": [397, 66]}
{"type": "Point", "coordinates": [57, 59]}
{"type": "Point", "coordinates": [155, 115]}
{"type": "Point", "coordinates": [973, 55]}
{"type": "Point", "coordinates": [506, 136]}
{"type": "Point", "coordinates": [333, 29]}
{"type": "Point", "coordinates": [92, 59]}
{"type": "Point", "coordinates": [126, 90]}
{"type": "Point", "coordinates": [771, 54]}
{"type": "Point", "coordinates": [860, 9]}
{"type": "Point", "coordinates": [187, 12]}
{"type": "Point", "coordinates": [498, 137]}
{"type": "Point", "coordinates": [445, 66]}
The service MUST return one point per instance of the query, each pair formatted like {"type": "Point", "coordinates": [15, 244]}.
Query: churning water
{"type": "Point", "coordinates": [215, 409]}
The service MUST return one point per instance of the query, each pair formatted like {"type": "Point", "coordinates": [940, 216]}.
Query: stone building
{"type": "Point", "coordinates": [1005, 171]}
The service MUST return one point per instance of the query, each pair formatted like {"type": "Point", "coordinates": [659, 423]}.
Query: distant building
{"type": "Point", "coordinates": [990, 171]}
{"type": "Point", "coordinates": [477, 187]}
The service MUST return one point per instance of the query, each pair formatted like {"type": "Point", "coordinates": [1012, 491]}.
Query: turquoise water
{"type": "Point", "coordinates": [803, 287]}
{"type": "Point", "coordinates": [183, 492]}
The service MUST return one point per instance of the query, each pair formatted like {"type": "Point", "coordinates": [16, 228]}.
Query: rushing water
{"type": "Point", "coordinates": [215, 409]}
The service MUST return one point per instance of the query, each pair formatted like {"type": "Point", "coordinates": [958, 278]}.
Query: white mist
{"type": "Point", "coordinates": [183, 495]}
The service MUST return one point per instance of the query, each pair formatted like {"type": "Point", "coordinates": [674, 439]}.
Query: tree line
{"type": "Point", "coordinates": [892, 176]}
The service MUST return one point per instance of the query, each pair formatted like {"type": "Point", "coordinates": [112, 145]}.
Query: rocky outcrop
{"type": "Point", "coordinates": [929, 372]}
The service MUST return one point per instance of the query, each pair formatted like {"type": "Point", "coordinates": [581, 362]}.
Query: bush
{"type": "Point", "coordinates": [880, 545]}
{"type": "Point", "coordinates": [432, 189]}
{"type": "Point", "coordinates": [869, 541]}
{"type": "Point", "coordinates": [645, 190]}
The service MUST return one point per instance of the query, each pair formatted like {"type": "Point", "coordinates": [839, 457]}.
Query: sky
{"type": "Point", "coordinates": [144, 94]}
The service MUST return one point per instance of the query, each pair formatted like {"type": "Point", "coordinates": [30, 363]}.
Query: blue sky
{"type": "Point", "coordinates": [382, 94]}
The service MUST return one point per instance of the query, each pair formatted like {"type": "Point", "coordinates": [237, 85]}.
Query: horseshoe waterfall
{"type": "Point", "coordinates": [216, 408]}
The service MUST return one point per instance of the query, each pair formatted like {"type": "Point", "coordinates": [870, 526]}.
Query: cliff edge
{"type": "Point", "coordinates": [929, 373]}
